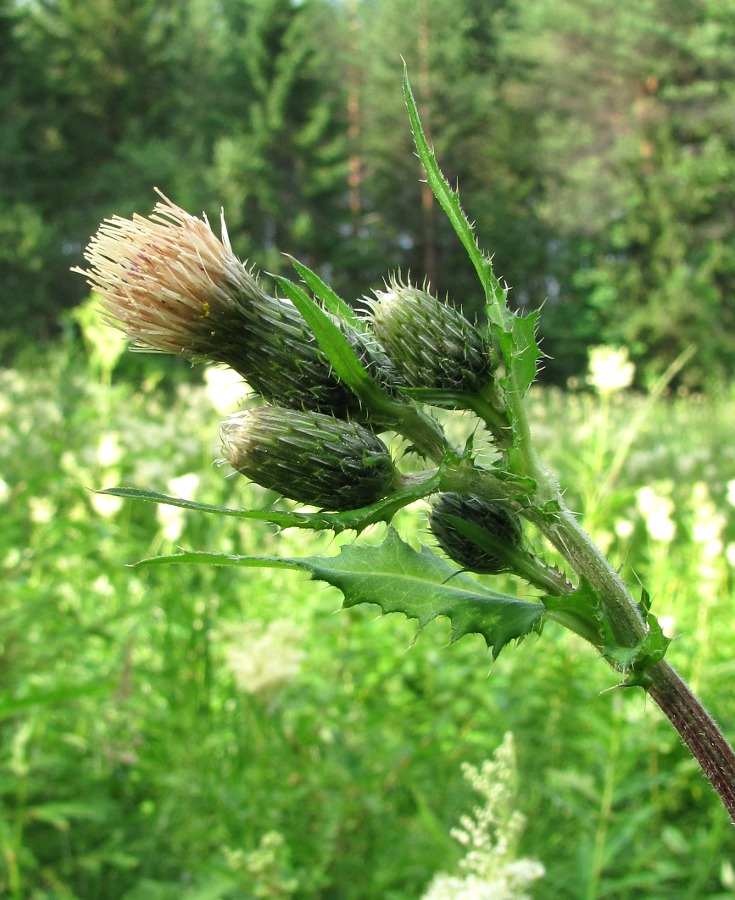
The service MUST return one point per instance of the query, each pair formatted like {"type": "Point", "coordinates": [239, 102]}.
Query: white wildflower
{"type": "Point", "coordinates": [173, 518]}
{"type": "Point", "coordinates": [610, 369]}
{"type": "Point", "coordinates": [104, 346]}
{"type": "Point", "coordinates": [224, 387]}
{"type": "Point", "coordinates": [68, 463]}
{"type": "Point", "coordinates": [657, 509]}
{"type": "Point", "coordinates": [109, 451]}
{"type": "Point", "coordinates": [42, 510]}
{"type": "Point", "coordinates": [268, 867]}
{"type": "Point", "coordinates": [490, 834]}
{"type": "Point", "coordinates": [262, 657]}
{"type": "Point", "coordinates": [185, 486]}
{"type": "Point", "coordinates": [624, 529]}
{"type": "Point", "coordinates": [103, 586]}
{"type": "Point", "coordinates": [727, 874]}
{"type": "Point", "coordinates": [708, 522]}
{"type": "Point", "coordinates": [107, 505]}
{"type": "Point", "coordinates": [12, 559]}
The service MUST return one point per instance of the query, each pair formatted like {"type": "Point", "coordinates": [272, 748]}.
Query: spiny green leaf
{"type": "Point", "coordinates": [412, 422]}
{"type": "Point", "coordinates": [353, 520]}
{"type": "Point", "coordinates": [644, 604]}
{"type": "Point", "coordinates": [515, 334]}
{"type": "Point", "coordinates": [579, 612]}
{"type": "Point", "coordinates": [521, 353]}
{"type": "Point", "coordinates": [583, 613]}
{"type": "Point", "coordinates": [339, 352]}
{"type": "Point", "coordinates": [525, 487]}
{"type": "Point", "coordinates": [214, 558]}
{"type": "Point", "coordinates": [438, 397]}
{"type": "Point", "coordinates": [526, 353]}
{"type": "Point", "coordinates": [651, 651]}
{"type": "Point", "coordinates": [449, 201]}
{"type": "Point", "coordinates": [333, 303]}
{"type": "Point", "coordinates": [398, 578]}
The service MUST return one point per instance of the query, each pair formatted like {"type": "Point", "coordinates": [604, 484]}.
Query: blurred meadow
{"type": "Point", "coordinates": [194, 732]}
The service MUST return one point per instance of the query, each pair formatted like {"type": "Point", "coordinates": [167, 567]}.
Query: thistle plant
{"type": "Point", "coordinates": [336, 390]}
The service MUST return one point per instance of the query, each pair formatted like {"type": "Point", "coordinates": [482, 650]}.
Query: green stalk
{"type": "Point", "coordinates": [424, 432]}
{"type": "Point", "coordinates": [603, 816]}
{"type": "Point", "coordinates": [564, 532]}
{"type": "Point", "coordinates": [695, 726]}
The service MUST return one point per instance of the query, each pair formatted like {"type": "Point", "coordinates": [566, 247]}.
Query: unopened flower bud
{"type": "Point", "coordinates": [373, 357]}
{"type": "Point", "coordinates": [310, 457]}
{"type": "Point", "coordinates": [172, 286]}
{"type": "Point", "coordinates": [431, 344]}
{"type": "Point", "coordinates": [501, 528]}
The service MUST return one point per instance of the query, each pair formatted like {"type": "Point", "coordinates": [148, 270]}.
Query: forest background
{"type": "Point", "coordinates": [594, 146]}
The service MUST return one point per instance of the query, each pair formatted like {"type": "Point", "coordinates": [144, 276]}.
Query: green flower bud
{"type": "Point", "coordinates": [373, 357]}
{"type": "Point", "coordinates": [172, 286]}
{"type": "Point", "coordinates": [286, 366]}
{"type": "Point", "coordinates": [431, 344]}
{"type": "Point", "coordinates": [500, 528]}
{"type": "Point", "coordinates": [310, 457]}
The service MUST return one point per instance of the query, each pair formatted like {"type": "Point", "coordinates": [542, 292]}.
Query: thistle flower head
{"type": "Point", "coordinates": [172, 286]}
{"type": "Point", "coordinates": [310, 457]}
{"type": "Point", "coordinates": [431, 344]}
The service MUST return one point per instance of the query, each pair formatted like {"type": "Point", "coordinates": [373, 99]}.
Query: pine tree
{"type": "Point", "coordinates": [450, 49]}
{"type": "Point", "coordinates": [674, 257]}
{"type": "Point", "coordinates": [93, 113]}
{"type": "Point", "coordinates": [636, 144]}
{"type": "Point", "coordinates": [282, 171]}
{"type": "Point", "coordinates": [22, 244]}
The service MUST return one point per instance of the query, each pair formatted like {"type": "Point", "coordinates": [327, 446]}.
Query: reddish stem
{"type": "Point", "coordinates": [698, 731]}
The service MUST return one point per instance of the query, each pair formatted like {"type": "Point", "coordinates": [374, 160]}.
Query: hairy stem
{"type": "Point", "coordinates": [696, 727]}
{"type": "Point", "coordinates": [563, 531]}
{"type": "Point", "coordinates": [698, 730]}
{"type": "Point", "coordinates": [576, 546]}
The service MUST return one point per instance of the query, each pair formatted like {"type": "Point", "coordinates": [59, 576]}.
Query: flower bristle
{"type": "Point", "coordinates": [172, 286]}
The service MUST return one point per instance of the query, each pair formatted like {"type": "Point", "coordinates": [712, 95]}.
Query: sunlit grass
{"type": "Point", "coordinates": [142, 757]}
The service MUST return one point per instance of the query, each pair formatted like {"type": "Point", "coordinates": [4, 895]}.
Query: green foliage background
{"type": "Point", "coordinates": [594, 145]}
{"type": "Point", "coordinates": [133, 764]}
